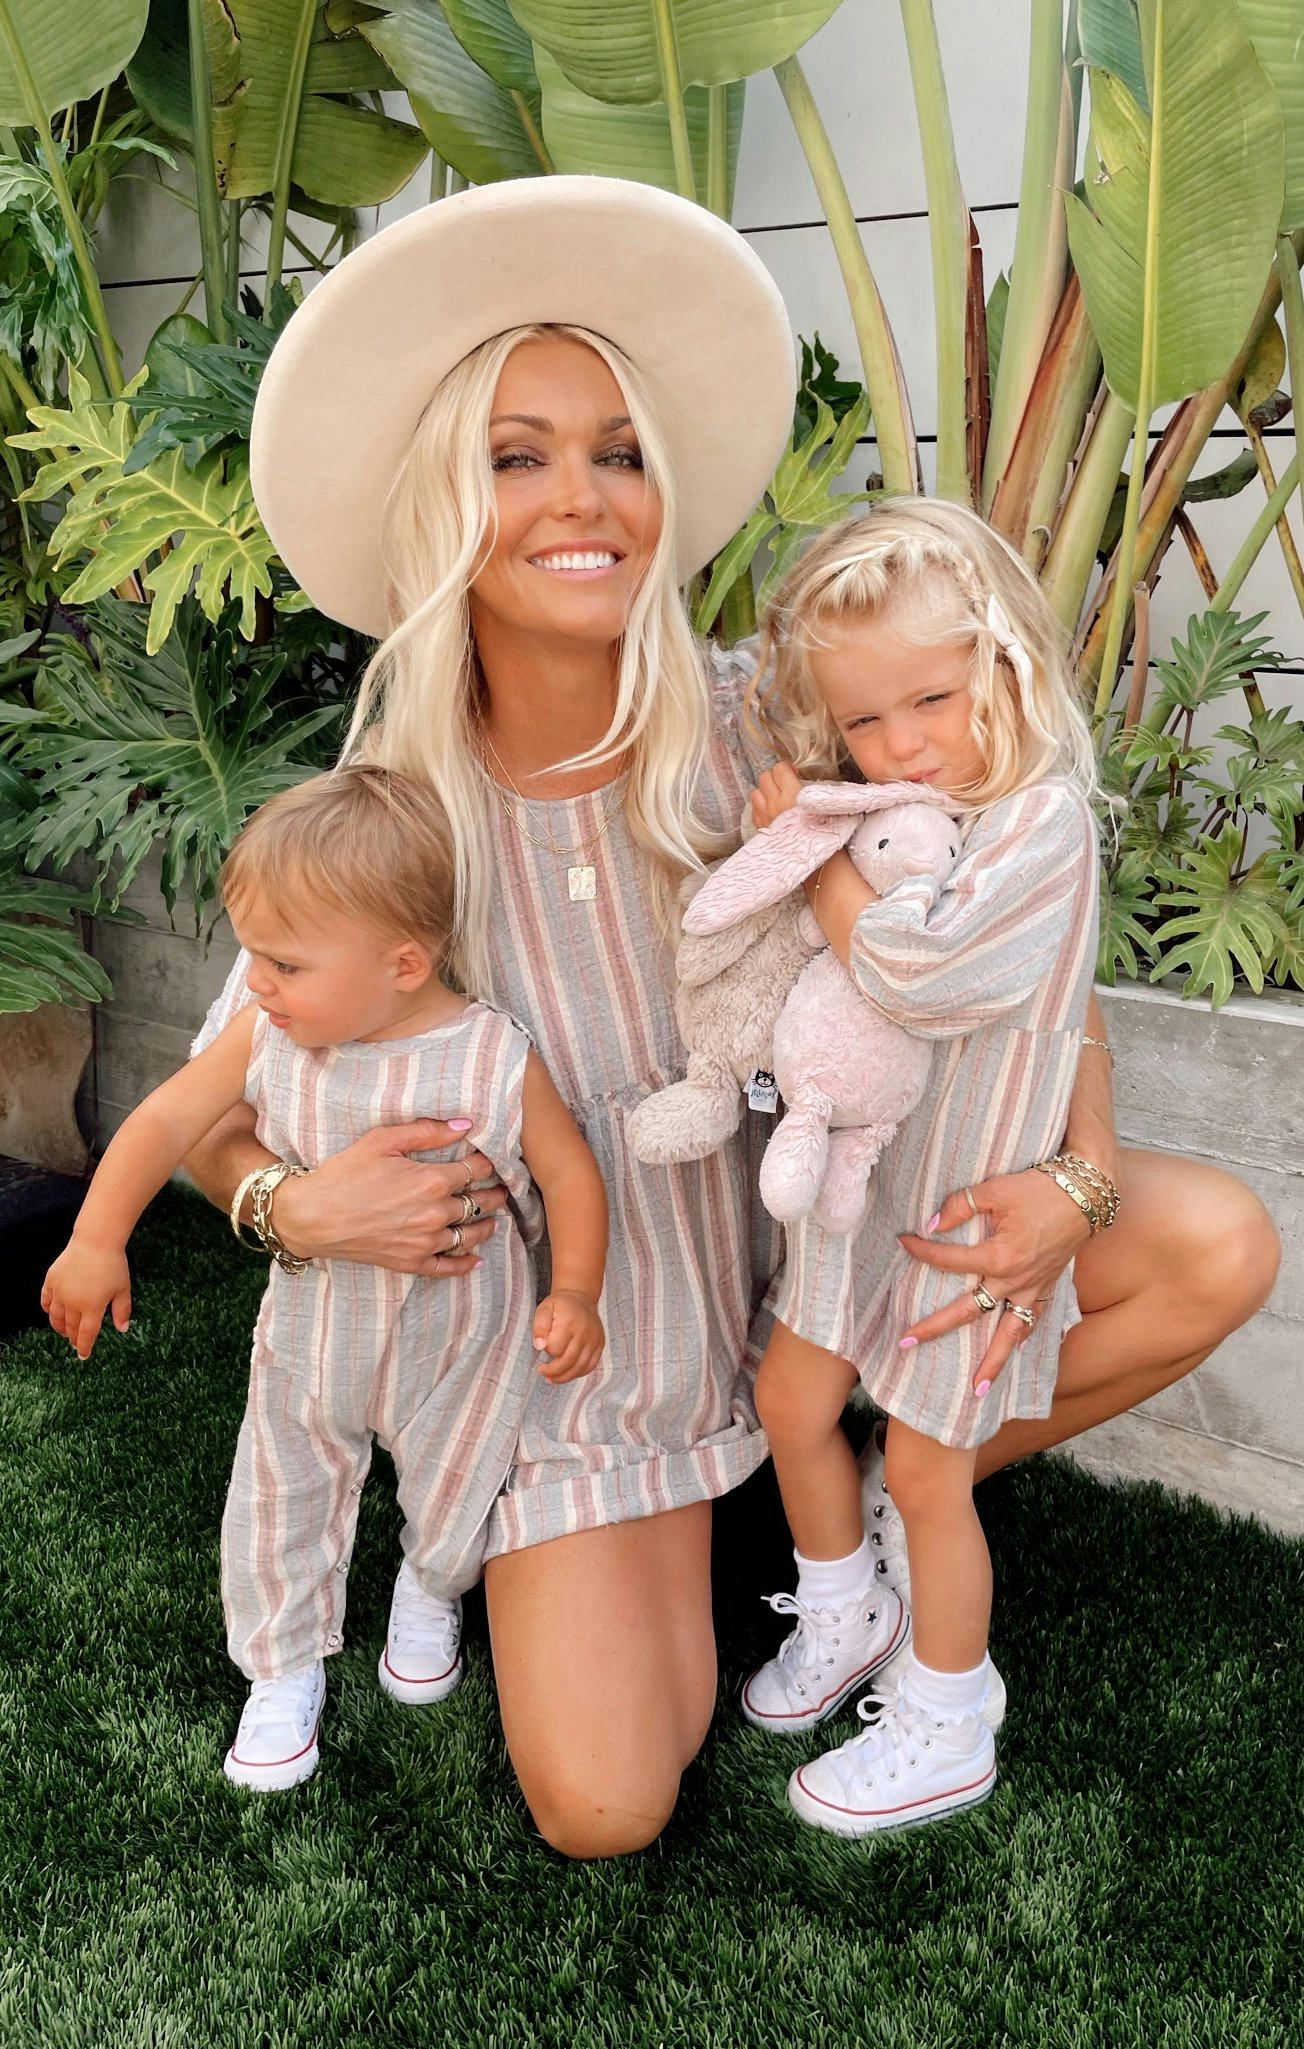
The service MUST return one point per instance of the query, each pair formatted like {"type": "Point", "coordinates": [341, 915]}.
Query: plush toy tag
{"type": "Point", "coordinates": [762, 1093]}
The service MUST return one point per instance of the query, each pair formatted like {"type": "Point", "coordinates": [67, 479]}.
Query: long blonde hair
{"type": "Point", "coordinates": [932, 566]}
{"type": "Point", "coordinates": [420, 695]}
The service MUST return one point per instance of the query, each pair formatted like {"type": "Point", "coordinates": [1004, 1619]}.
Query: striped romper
{"type": "Point", "coordinates": [997, 968]}
{"type": "Point", "coordinates": [439, 1372]}
{"type": "Point", "coordinates": [668, 1416]}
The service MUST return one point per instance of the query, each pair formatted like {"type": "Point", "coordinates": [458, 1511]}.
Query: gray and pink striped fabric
{"type": "Point", "coordinates": [998, 970]}
{"type": "Point", "coordinates": [439, 1374]}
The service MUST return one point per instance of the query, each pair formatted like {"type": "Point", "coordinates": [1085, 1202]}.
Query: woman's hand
{"type": "Point", "coordinates": [775, 793]}
{"type": "Point", "coordinates": [372, 1204]}
{"type": "Point", "coordinates": [1035, 1230]}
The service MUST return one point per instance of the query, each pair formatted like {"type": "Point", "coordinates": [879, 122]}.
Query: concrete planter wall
{"type": "Point", "coordinates": [1228, 1088]}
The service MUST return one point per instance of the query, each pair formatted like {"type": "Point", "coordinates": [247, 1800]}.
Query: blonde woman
{"type": "Point", "coordinates": [500, 437]}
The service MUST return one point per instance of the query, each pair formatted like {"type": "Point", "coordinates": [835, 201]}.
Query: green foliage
{"type": "Point", "coordinates": [41, 959]}
{"type": "Point", "coordinates": [130, 750]}
{"type": "Point", "coordinates": [199, 394]}
{"type": "Point", "coordinates": [1206, 898]}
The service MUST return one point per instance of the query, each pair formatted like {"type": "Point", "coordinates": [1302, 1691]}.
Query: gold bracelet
{"type": "Point", "coordinates": [1103, 1044]}
{"type": "Point", "coordinates": [266, 1182]}
{"type": "Point", "coordinates": [1099, 1200]}
{"type": "Point", "coordinates": [815, 895]}
{"type": "Point", "coordinates": [254, 1244]}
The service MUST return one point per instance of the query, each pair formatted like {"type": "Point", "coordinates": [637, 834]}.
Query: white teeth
{"type": "Point", "coordinates": [587, 561]}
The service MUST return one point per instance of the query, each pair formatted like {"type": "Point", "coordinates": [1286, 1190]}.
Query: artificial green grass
{"type": "Point", "coordinates": [1137, 1878]}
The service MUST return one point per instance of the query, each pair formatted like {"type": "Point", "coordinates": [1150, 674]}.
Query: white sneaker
{"type": "Point", "coordinates": [903, 1768]}
{"type": "Point", "coordinates": [830, 1653]}
{"type": "Point", "coordinates": [422, 1658]}
{"type": "Point", "coordinates": [883, 1524]}
{"type": "Point", "coordinates": [276, 1743]}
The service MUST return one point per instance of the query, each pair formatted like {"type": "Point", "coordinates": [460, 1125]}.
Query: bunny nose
{"type": "Point", "coordinates": [916, 868]}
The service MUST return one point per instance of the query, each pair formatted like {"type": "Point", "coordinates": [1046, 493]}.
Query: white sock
{"type": "Point", "coordinates": [945, 1695]}
{"type": "Point", "coordinates": [832, 1582]}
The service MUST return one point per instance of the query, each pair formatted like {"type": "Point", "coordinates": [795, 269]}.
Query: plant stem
{"type": "Point", "coordinates": [878, 353]}
{"type": "Point", "coordinates": [1041, 237]}
{"type": "Point", "coordinates": [1256, 537]}
{"type": "Point", "coordinates": [285, 148]}
{"type": "Point", "coordinates": [532, 135]}
{"type": "Point", "coordinates": [1289, 552]}
{"type": "Point", "coordinates": [234, 212]}
{"type": "Point", "coordinates": [948, 230]}
{"type": "Point", "coordinates": [1292, 306]}
{"type": "Point", "coordinates": [672, 92]}
{"type": "Point", "coordinates": [1073, 550]}
{"type": "Point", "coordinates": [211, 253]}
{"type": "Point", "coordinates": [110, 362]}
{"type": "Point", "coordinates": [717, 150]}
{"type": "Point", "coordinates": [98, 122]}
{"type": "Point", "coordinates": [438, 175]}
{"type": "Point", "coordinates": [1145, 380]}
{"type": "Point", "coordinates": [14, 377]}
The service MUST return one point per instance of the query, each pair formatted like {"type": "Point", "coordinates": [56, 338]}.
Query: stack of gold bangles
{"type": "Point", "coordinates": [260, 1186]}
{"type": "Point", "coordinates": [1089, 1186]}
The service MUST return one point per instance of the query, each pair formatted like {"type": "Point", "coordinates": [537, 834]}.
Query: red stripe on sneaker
{"type": "Point", "coordinates": [274, 1763]}
{"type": "Point", "coordinates": [433, 1678]}
{"type": "Point", "coordinates": [906, 1805]}
{"type": "Point", "coordinates": [865, 1672]}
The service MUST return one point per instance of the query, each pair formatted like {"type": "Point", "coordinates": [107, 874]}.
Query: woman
{"type": "Point", "coordinates": [516, 512]}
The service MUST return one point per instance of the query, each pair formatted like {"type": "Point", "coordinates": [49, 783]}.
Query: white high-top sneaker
{"type": "Point", "coordinates": [883, 1525]}
{"type": "Point", "coordinates": [904, 1767]}
{"type": "Point", "coordinates": [422, 1658]}
{"type": "Point", "coordinates": [276, 1743]}
{"type": "Point", "coordinates": [830, 1653]}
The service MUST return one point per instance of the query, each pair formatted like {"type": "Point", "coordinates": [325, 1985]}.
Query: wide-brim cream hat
{"type": "Point", "coordinates": [677, 289]}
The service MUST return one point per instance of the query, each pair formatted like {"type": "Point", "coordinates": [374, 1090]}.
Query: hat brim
{"type": "Point", "coordinates": [677, 289]}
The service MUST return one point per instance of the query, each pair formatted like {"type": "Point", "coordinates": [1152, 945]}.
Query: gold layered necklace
{"type": "Point", "coordinates": [581, 875]}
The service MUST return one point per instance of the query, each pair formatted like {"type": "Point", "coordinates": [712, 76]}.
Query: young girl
{"type": "Point", "coordinates": [340, 892]}
{"type": "Point", "coordinates": [913, 645]}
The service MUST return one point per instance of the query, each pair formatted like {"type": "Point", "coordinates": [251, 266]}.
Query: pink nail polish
{"type": "Point", "coordinates": [982, 1387]}
{"type": "Point", "coordinates": [933, 1222]}
{"type": "Point", "coordinates": [905, 1344]}
{"type": "Point", "coordinates": [459, 1123]}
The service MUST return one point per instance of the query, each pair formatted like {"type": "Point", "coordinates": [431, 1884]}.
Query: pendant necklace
{"type": "Point", "coordinates": [581, 875]}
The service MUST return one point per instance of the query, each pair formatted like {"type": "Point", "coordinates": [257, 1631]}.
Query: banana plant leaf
{"type": "Point", "coordinates": [484, 130]}
{"type": "Point", "coordinates": [490, 33]}
{"type": "Point", "coordinates": [1221, 156]}
{"type": "Point", "coordinates": [1109, 35]}
{"type": "Point", "coordinates": [72, 51]}
{"type": "Point", "coordinates": [1276, 29]}
{"type": "Point", "coordinates": [609, 48]}
{"type": "Point", "coordinates": [159, 73]}
{"type": "Point", "coordinates": [344, 155]}
{"type": "Point", "coordinates": [590, 135]}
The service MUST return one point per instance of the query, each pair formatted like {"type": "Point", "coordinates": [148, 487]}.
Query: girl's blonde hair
{"type": "Point", "coordinates": [420, 697]}
{"type": "Point", "coordinates": [363, 841]}
{"type": "Point", "coordinates": [930, 567]}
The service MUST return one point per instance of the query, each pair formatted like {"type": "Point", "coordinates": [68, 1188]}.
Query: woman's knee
{"type": "Point", "coordinates": [585, 1822]}
{"type": "Point", "coordinates": [1227, 1252]}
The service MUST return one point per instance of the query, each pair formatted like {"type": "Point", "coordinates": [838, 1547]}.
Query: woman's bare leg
{"type": "Point", "coordinates": [1193, 1255]}
{"type": "Point", "coordinates": [604, 1655]}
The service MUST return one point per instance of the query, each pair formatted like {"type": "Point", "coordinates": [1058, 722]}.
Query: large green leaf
{"type": "Point", "coordinates": [204, 517]}
{"type": "Point", "coordinates": [1276, 29]}
{"type": "Point", "coordinates": [1109, 36]}
{"type": "Point", "coordinates": [490, 32]}
{"type": "Point", "coordinates": [159, 73]}
{"type": "Point", "coordinates": [41, 960]}
{"type": "Point", "coordinates": [585, 134]}
{"type": "Point", "coordinates": [344, 155]}
{"type": "Point", "coordinates": [609, 47]}
{"type": "Point", "coordinates": [72, 50]}
{"type": "Point", "coordinates": [1227, 922]}
{"type": "Point", "coordinates": [1221, 161]}
{"type": "Point", "coordinates": [483, 130]}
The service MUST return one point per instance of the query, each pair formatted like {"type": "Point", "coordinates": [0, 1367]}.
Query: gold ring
{"type": "Point", "coordinates": [470, 1207]}
{"type": "Point", "coordinates": [456, 1245]}
{"type": "Point", "coordinates": [1028, 1316]}
{"type": "Point", "coordinates": [983, 1299]}
{"type": "Point", "coordinates": [968, 1196]}
{"type": "Point", "coordinates": [470, 1176]}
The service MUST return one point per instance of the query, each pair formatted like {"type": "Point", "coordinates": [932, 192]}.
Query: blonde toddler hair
{"type": "Point", "coordinates": [364, 841]}
{"type": "Point", "coordinates": [420, 697]}
{"type": "Point", "coordinates": [929, 568]}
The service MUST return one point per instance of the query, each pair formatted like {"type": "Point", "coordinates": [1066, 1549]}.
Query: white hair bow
{"type": "Point", "coordinates": [999, 623]}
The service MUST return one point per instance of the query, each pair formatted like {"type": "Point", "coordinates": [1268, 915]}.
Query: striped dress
{"type": "Point", "coordinates": [440, 1374]}
{"type": "Point", "coordinates": [997, 969]}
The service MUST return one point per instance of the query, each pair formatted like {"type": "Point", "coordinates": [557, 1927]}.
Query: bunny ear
{"type": "Point", "coordinates": [767, 869]}
{"type": "Point", "coordinates": [857, 800]}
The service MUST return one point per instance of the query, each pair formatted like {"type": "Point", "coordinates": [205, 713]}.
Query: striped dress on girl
{"type": "Point", "coordinates": [439, 1373]}
{"type": "Point", "coordinates": [997, 969]}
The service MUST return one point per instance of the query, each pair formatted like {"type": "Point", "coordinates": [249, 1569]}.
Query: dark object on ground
{"type": "Point", "coordinates": [37, 1210]}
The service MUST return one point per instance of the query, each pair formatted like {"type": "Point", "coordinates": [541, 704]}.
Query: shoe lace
{"type": "Point", "coordinates": [285, 1703]}
{"type": "Point", "coordinates": [894, 1734]}
{"type": "Point", "coordinates": [420, 1621]}
{"type": "Point", "coordinates": [807, 1647]}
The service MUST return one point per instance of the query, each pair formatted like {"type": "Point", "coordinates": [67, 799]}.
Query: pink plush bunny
{"type": "Point", "coordinates": [847, 1075]}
